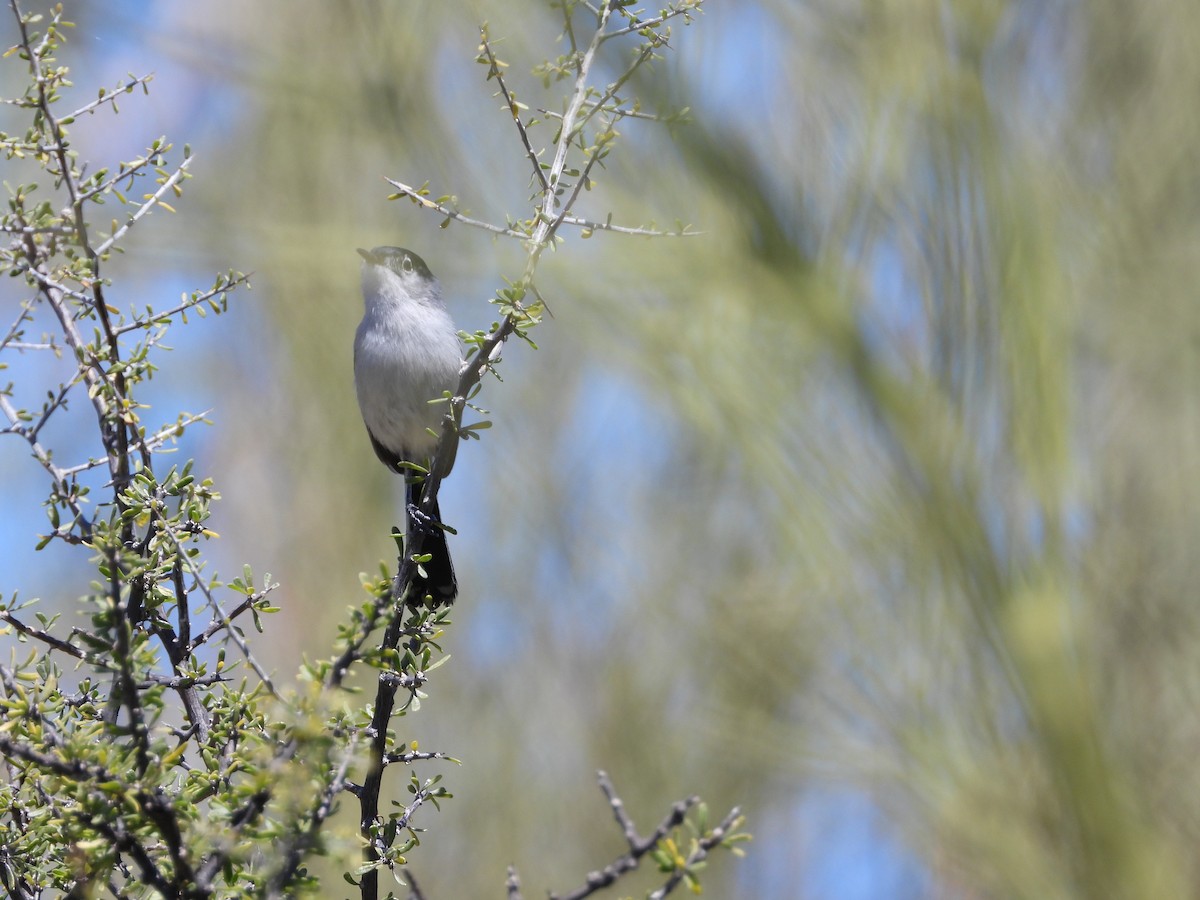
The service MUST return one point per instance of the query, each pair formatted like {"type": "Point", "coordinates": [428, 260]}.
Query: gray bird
{"type": "Point", "coordinates": [407, 353]}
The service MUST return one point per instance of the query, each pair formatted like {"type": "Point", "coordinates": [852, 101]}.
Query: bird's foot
{"type": "Point", "coordinates": [425, 523]}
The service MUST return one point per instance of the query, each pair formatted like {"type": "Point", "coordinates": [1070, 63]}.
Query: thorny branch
{"type": "Point", "coordinates": [418, 196]}
{"type": "Point", "coordinates": [510, 102]}
{"type": "Point", "coordinates": [640, 846]}
{"type": "Point", "coordinates": [553, 210]}
{"type": "Point", "coordinates": [128, 539]}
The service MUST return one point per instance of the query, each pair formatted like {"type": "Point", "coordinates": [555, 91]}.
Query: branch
{"type": "Point", "coordinates": [125, 691]}
{"type": "Point", "coordinates": [27, 230]}
{"type": "Point", "coordinates": [46, 283]}
{"type": "Point", "coordinates": [566, 132]}
{"type": "Point", "coordinates": [159, 318]}
{"type": "Point", "coordinates": [59, 399]}
{"type": "Point", "coordinates": [108, 97]}
{"type": "Point", "coordinates": [638, 846]}
{"type": "Point", "coordinates": [589, 225]}
{"type": "Point", "coordinates": [618, 112]}
{"type": "Point", "coordinates": [152, 876]}
{"type": "Point", "coordinates": [295, 849]}
{"type": "Point", "coordinates": [511, 104]}
{"type": "Point", "coordinates": [704, 846]}
{"type": "Point", "coordinates": [645, 25]}
{"type": "Point", "coordinates": [130, 172]}
{"type": "Point", "coordinates": [416, 195]}
{"type": "Point", "coordinates": [415, 756]}
{"type": "Point", "coordinates": [223, 621]}
{"type": "Point", "coordinates": [58, 477]}
{"type": "Point", "coordinates": [155, 804]}
{"type": "Point", "coordinates": [341, 666]}
{"type": "Point", "coordinates": [243, 817]}
{"type": "Point", "coordinates": [156, 440]}
{"type": "Point", "coordinates": [45, 637]}
{"type": "Point", "coordinates": [598, 106]}
{"type": "Point", "coordinates": [90, 368]}
{"type": "Point", "coordinates": [15, 331]}
{"type": "Point", "coordinates": [369, 886]}
{"type": "Point", "coordinates": [150, 203]}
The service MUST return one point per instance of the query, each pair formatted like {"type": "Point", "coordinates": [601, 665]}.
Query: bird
{"type": "Point", "coordinates": [407, 353]}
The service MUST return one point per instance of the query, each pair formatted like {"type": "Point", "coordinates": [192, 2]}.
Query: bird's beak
{"type": "Point", "coordinates": [366, 254]}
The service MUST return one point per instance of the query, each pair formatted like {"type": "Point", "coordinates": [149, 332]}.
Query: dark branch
{"type": "Point", "coordinates": [638, 846]}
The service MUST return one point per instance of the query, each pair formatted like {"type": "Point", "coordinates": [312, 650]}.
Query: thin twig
{"type": "Point", "coordinates": [15, 329]}
{"type": "Point", "coordinates": [60, 230]}
{"type": "Point", "coordinates": [415, 195]}
{"type": "Point", "coordinates": [110, 96]}
{"type": "Point", "coordinates": [616, 111]}
{"type": "Point", "coordinates": [90, 367]}
{"type": "Point", "coordinates": [567, 7]}
{"type": "Point", "coordinates": [593, 108]}
{"type": "Point", "coordinates": [413, 756]}
{"type": "Point", "coordinates": [59, 477]}
{"type": "Point", "coordinates": [510, 104]}
{"type": "Point", "coordinates": [638, 846]}
{"type": "Point", "coordinates": [593, 157]}
{"type": "Point", "coordinates": [703, 847]}
{"type": "Point", "coordinates": [641, 25]}
{"type": "Point", "coordinates": [159, 318]}
{"type": "Point", "coordinates": [548, 212]}
{"type": "Point", "coordinates": [128, 171]}
{"type": "Point", "coordinates": [155, 803]}
{"type": "Point", "coordinates": [340, 667]}
{"type": "Point", "coordinates": [156, 440]}
{"type": "Point", "coordinates": [589, 225]}
{"type": "Point", "coordinates": [46, 282]}
{"type": "Point", "coordinates": [223, 621]}
{"type": "Point", "coordinates": [575, 221]}
{"type": "Point", "coordinates": [48, 410]}
{"type": "Point", "coordinates": [294, 849]}
{"type": "Point", "coordinates": [149, 204]}
{"type": "Point", "coordinates": [45, 637]}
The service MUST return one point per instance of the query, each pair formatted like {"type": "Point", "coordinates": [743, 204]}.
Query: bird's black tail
{"type": "Point", "coordinates": [438, 582]}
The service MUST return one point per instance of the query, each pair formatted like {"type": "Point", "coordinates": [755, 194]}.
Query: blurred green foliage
{"type": "Point", "coordinates": [889, 481]}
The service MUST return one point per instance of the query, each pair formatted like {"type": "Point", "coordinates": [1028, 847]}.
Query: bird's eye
{"type": "Point", "coordinates": [407, 265]}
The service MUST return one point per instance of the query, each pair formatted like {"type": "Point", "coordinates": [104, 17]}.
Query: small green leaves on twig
{"type": "Point", "coordinates": [558, 176]}
{"type": "Point", "coordinates": [663, 845]}
{"type": "Point", "coordinates": [107, 779]}
{"type": "Point", "coordinates": [682, 859]}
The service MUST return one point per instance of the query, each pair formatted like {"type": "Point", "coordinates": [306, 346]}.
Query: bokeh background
{"type": "Point", "coordinates": [871, 509]}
